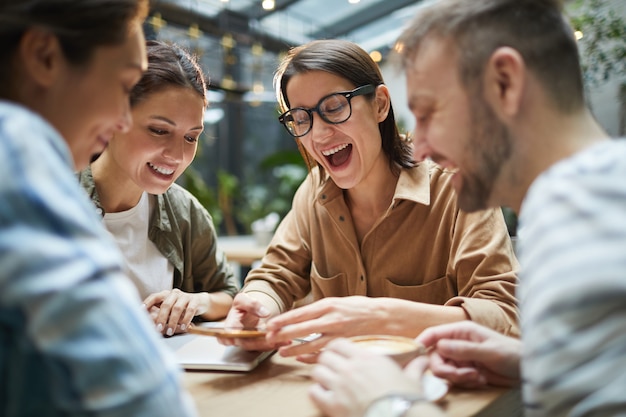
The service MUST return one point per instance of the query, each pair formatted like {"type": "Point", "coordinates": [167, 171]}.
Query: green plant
{"type": "Point", "coordinates": [288, 170]}
{"type": "Point", "coordinates": [234, 206]}
{"type": "Point", "coordinates": [227, 190]}
{"type": "Point", "coordinates": [603, 42]}
{"type": "Point", "coordinates": [195, 184]}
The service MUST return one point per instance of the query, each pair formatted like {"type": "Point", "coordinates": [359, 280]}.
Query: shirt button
{"type": "Point", "coordinates": [323, 196]}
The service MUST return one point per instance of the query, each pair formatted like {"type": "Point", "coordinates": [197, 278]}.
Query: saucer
{"type": "Point", "coordinates": [434, 388]}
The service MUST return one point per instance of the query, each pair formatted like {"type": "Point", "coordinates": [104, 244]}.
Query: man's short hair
{"type": "Point", "coordinates": [537, 29]}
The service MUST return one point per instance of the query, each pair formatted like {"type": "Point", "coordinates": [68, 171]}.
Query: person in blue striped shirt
{"type": "Point", "coordinates": [496, 90]}
{"type": "Point", "coordinates": [74, 341]}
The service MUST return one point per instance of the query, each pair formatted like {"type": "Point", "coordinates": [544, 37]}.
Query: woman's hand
{"type": "Point", "coordinates": [173, 310]}
{"type": "Point", "coordinates": [330, 317]}
{"type": "Point", "coordinates": [247, 313]}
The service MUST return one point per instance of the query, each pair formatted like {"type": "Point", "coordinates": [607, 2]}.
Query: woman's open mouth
{"type": "Point", "coordinates": [338, 155]}
{"type": "Point", "coordinates": [161, 170]}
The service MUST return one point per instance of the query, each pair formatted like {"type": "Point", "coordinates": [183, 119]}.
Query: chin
{"type": "Point", "coordinates": [157, 189]}
{"type": "Point", "coordinates": [81, 162]}
{"type": "Point", "coordinates": [344, 184]}
{"type": "Point", "coordinates": [472, 200]}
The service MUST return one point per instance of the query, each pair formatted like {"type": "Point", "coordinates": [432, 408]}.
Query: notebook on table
{"type": "Point", "coordinates": [198, 352]}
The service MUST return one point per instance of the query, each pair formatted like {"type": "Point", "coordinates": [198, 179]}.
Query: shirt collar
{"type": "Point", "coordinates": [413, 185]}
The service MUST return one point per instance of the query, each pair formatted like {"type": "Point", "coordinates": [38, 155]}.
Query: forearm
{"type": "Point", "coordinates": [410, 318]}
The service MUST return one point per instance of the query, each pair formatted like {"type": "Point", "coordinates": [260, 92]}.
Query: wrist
{"type": "Point", "coordinates": [393, 405]}
{"type": "Point", "coordinates": [266, 300]}
{"type": "Point", "coordinates": [204, 304]}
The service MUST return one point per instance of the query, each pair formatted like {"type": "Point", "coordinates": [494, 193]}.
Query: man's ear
{"type": "Point", "coordinates": [505, 81]}
{"type": "Point", "coordinates": [383, 102]}
{"type": "Point", "coordinates": [41, 56]}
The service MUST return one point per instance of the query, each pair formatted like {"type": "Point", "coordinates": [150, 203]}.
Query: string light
{"type": "Point", "coordinates": [228, 83]}
{"type": "Point", "coordinates": [578, 34]}
{"type": "Point", "coordinates": [258, 87]}
{"type": "Point", "coordinates": [257, 49]}
{"type": "Point", "coordinates": [228, 41]}
{"type": "Point", "coordinates": [376, 56]}
{"type": "Point", "coordinates": [157, 22]}
{"type": "Point", "coordinates": [194, 31]}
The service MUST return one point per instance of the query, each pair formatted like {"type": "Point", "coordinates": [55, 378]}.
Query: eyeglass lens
{"type": "Point", "coordinates": [335, 108]}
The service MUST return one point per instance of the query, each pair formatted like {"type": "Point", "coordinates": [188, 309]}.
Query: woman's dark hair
{"type": "Point", "coordinates": [80, 25]}
{"type": "Point", "coordinates": [169, 65]}
{"type": "Point", "coordinates": [349, 61]}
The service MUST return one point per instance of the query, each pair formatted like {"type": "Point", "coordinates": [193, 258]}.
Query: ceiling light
{"type": "Point", "coordinates": [268, 4]}
{"type": "Point", "coordinates": [354, 1]}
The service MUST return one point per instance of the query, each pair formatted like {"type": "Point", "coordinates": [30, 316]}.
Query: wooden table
{"type": "Point", "coordinates": [243, 249]}
{"type": "Point", "coordinates": [279, 387]}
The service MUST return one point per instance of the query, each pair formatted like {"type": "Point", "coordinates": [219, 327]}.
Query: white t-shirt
{"type": "Point", "coordinates": [147, 268]}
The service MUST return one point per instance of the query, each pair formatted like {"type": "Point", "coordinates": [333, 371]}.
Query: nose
{"type": "Point", "coordinates": [174, 150]}
{"type": "Point", "coordinates": [125, 121]}
{"type": "Point", "coordinates": [321, 128]}
{"type": "Point", "coordinates": [421, 149]}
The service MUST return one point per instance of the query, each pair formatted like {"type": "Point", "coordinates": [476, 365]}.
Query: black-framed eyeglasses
{"type": "Point", "coordinates": [334, 108]}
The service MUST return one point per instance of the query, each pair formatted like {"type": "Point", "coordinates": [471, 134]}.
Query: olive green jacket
{"type": "Point", "coordinates": [182, 229]}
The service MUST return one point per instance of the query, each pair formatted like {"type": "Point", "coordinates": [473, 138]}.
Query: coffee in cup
{"type": "Point", "coordinates": [399, 348]}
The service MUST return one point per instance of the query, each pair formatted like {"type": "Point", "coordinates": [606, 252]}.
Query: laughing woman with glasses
{"type": "Point", "coordinates": [376, 240]}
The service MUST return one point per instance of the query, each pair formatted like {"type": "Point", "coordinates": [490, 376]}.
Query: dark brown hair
{"type": "Point", "coordinates": [347, 60]}
{"type": "Point", "coordinates": [80, 25]}
{"type": "Point", "coordinates": [169, 65]}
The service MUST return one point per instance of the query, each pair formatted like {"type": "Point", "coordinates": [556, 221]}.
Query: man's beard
{"type": "Point", "coordinates": [488, 149]}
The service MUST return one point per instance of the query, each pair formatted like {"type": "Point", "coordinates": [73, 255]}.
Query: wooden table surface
{"type": "Point", "coordinates": [279, 387]}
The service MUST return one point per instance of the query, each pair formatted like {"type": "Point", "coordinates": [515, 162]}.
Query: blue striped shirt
{"type": "Point", "coordinates": [74, 339]}
{"type": "Point", "coordinates": [572, 248]}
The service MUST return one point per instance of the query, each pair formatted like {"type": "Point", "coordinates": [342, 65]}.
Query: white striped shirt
{"type": "Point", "coordinates": [572, 248]}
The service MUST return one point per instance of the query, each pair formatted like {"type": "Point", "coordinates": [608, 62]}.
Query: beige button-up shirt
{"type": "Point", "coordinates": [423, 249]}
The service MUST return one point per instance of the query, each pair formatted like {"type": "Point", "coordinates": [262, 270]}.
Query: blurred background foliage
{"type": "Point", "coordinates": [234, 206]}
{"type": "Point", "coordinates": [602, 42]}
